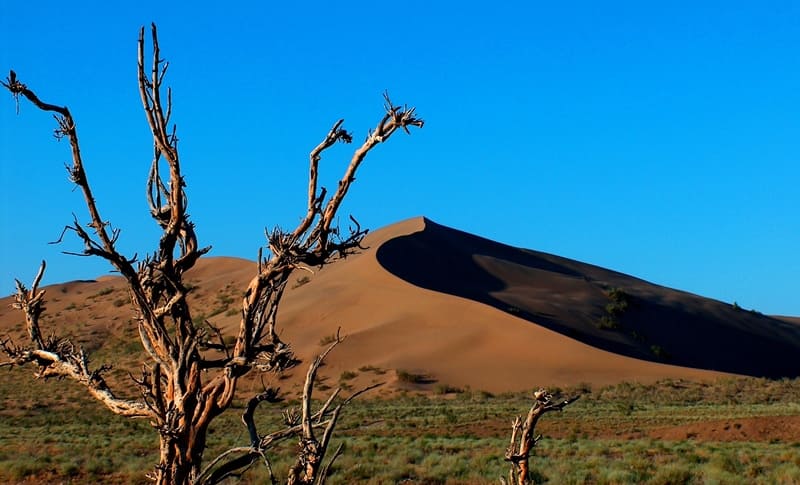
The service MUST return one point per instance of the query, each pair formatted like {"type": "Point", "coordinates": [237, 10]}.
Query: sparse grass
{"type": "Point", "coordinates": [301, 281]}
{"type": "Point", "coordinates": [373, 369]}
{"type": "Point", "coordinates": [223, 301]}
{"type": "Point", "coordinates": [103, 292]}
{"type": "Point", "coordinates": [120, 302]}
{"type": "Point", "coordinates": [50, 432]}
{"type": "Point", "coordinates": [448, 389]}
{"type": "Point", "coordinates": [348, 375]}
{"type": "Point", "coordinates": [413, 378]}
{"type": "Point", "coordinates": [327, 340]}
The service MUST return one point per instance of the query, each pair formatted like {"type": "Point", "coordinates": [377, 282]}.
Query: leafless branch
{"type": "Point", "coordinates": [182, 390]}
{"type": "Point", "coordinates": [523, 438]}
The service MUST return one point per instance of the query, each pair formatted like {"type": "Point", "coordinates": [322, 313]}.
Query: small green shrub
{"type": "Point", "coordinates": [608, 322]}
{"type": "Point", "coordinates": [412, 378]}
{"type": "Point", "coordinates": [373, 369]}
{"type": "Point", "coordinates": [672, 475]}
{"type": "Point", "coordinates": [613, 309]}
{"type": "Point", "coordinates": [448, 389]}
{"type": "Point", "coordinates": [103, 292]}
{"type": "Point", "coordinates": [347, 375]}
{"type": "Point", "coordinates": [619, 301]}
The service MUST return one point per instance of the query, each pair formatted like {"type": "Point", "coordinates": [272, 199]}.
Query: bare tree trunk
{"type": "Point", "coordinates": [180, 455]}
{"type": "Point", "coordinates": [309, 467]}
{"type": "Point", "coordinates": [183, 389]}
{"type": "Point", "coordinates": [523, 437]}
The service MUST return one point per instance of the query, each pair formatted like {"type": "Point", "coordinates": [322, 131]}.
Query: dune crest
{"type": "Point", "coordinates": [461, 311]}
{"type": "Point", "coordinates": [605, 309]}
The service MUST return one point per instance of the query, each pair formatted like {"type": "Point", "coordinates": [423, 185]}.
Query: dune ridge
{"type": "Point", "coordinates": [463, 311]}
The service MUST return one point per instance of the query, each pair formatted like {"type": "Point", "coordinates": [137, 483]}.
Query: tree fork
{"type": "Point", "coordinates": [523, 437]}
{"type": "Point", "coordinates": [182, 390]}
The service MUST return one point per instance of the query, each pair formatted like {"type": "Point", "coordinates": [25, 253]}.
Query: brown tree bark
{"type": "Point", "coordinates": [182, 389]}
{"type": "Point", "coordinates": [523, 437]}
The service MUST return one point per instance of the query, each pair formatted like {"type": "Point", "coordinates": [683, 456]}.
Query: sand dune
{"type": "Point", "coordinates": [570, 298]}
{"type": "Point", "coordinates": [467, 311]}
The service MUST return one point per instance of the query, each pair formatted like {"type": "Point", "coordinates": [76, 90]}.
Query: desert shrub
{"type": "Point", "coordinates": [301, 281]}
{"type": "Point", "coordinates": [327, 340]}
{"type": "Point", "coordinates": [659, 352]}
{"type": "Point", "coordinates": [619, 301]}
{"type": "Point", "coordinates": [672, 475]}
{"type": "Point", "coordinates": [618, 295]}
{"type": "Point", "coordinates": [373, 369]}
{"type": "Point", "coordinates": [412, 378]}
{"type": "Point", "coordinates": [448, 389]}
{"type": "Point", "coordinates": [608, 322]}
{"type": "Point", "coordinates": [103, 292]}
{"type": "Point", "coordinates": [613, 309]}
{"type": "Point", "coordinates": [347, 375]}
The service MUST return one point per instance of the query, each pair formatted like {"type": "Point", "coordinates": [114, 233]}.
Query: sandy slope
{"type": "Point", "coordinates": [395, 324]}
{"type": "Point", "coordinates": [570, 297]}
{"type": "Point", "coordinates": [467, 312]}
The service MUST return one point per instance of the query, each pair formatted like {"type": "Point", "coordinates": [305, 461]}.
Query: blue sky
{"type": "Point", "coordinates": [660, 140]}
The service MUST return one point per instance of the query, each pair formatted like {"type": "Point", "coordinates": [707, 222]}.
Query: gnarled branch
{"type": "Point", "coordinates": [182, 390]}
{"type": "Point", "coordinates": [59, 357]}
{"type": "Point", "coordinates": [309, 466]}
{"type": "Point", "coordinates": [523, 437]}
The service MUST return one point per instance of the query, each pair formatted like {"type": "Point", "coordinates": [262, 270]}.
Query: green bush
{"type": "Point", "coordinates": [412, 378]}
{"type": "Point", "coordinates": [608, 322]}
{"type": "Point", "coordinates": [347, 375]}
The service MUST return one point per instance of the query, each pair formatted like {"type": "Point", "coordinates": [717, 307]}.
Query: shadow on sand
{"type": "Point", "coordinates": [569, 297]}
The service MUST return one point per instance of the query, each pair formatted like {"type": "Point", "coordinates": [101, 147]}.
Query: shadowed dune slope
{"type": "Point", "coordinates": [459, 309]}
{"type": "Point", "coordinates": [572, 298]}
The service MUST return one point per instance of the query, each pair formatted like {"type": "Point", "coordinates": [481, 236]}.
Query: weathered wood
{"type": "Point", "coordinates": [308, 468]}
{"type": "Point", "coordinates": [523, 437]}
{"type": "Point", "coordinates": [182, 391]}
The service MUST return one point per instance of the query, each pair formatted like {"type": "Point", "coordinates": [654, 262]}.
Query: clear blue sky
{"type": "Point", "coordinates": [660, 140]}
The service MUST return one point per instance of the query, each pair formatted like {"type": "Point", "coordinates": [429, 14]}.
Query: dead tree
{"type": "Point", "coordinates": [182, 388]}
{"type": "Point", "coordinates": [308, 468]}
{"type": "Point", "coordinates": [523, 437]}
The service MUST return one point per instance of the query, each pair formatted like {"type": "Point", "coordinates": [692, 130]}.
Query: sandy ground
{"type": "Point", "coordinates": [464, 311]}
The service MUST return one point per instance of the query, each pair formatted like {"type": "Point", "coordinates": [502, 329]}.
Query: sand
{"type": "Point", "coordinates": [466, 312]}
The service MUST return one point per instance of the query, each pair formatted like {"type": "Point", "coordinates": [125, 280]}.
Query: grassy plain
{"type": "Point", "coordinates": [731, 431]}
